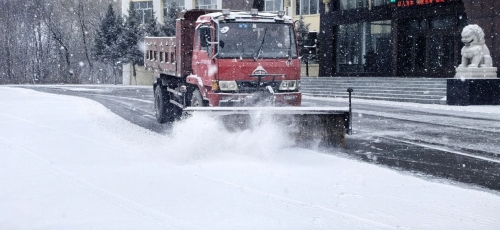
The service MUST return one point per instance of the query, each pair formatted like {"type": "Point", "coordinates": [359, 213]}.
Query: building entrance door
{"type": "Point", "coordinates": [431, 53]}
{"type": "Point", "coordinates": [426, 51]}
{"type": "Point", "coordinates": [441, 53]}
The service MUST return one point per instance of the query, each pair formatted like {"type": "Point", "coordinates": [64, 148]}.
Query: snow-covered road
{"type": "Point", "coordinates": [70, 163]}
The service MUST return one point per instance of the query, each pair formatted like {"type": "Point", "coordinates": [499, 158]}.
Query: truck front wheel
{"type": "Point", "coordinates": [163, 106]}
{"type": "Point", "coordinates": [196, 99]}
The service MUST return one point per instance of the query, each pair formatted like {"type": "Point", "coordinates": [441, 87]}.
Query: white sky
{"type": "Point", "coordinates": [69, 163]}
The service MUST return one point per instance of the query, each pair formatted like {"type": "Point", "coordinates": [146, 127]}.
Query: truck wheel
{"type": "Point", "coordinates": [196, 99]}
{"type": "Point", "coordinates": [162, 105]}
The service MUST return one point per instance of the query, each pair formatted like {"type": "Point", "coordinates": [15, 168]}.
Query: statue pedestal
{"type": "Point", "coordinates": [473, 91]}
{"type": "Point", "coordinates": [475, 73]}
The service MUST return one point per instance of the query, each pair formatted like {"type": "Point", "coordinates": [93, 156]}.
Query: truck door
{"type": "Point", "coordinates": [202, 58]}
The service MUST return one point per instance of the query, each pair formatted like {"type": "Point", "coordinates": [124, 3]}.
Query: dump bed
{"type": "Point", "coordinates": [173, 55]}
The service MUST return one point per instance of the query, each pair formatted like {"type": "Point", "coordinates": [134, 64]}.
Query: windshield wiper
{"type": "Point", "coordinates": [260, 47]}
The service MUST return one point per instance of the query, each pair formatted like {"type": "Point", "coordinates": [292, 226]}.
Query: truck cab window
{"type": "Point", "coordinates": [205, 37]}
{"type": "Point", "coordinates": [249, 40]}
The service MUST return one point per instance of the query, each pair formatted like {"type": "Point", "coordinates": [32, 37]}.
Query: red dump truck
{"type": "Point", "coordinates": [233, 64]}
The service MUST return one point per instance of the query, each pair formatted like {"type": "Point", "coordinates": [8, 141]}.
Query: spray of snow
{"type": "Point", "coordinates": [205, 137]}
{"type": "Point", "coordinates": [198, 138]}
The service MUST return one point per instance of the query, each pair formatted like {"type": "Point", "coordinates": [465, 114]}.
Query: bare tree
{"type": "Point", "coordinates": [82, 21]}
{"type": "Point", "coordinates": [48, 41]}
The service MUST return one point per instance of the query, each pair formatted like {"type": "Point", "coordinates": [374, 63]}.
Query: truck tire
{"type": "Point", "coordinates": [163, 107]}
{"type": "Point", "coordinates": [196, 99]}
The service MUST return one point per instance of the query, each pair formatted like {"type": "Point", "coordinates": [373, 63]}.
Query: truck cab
{"type": "Point", "coordinates": [245, 59]}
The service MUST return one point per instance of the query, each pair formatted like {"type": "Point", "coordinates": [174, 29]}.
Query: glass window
{"type": "Point", "coordinates": [297, 7]}
{"type": "Point", "coordinates": [444, 22]}
{"type": "Point", "coordinates": [356, 4]}
{"type": "Point", "coordinates": [364, 47]}
{"type": "Point", "coordinates": [257, 40]}
{"type": "Point", "coordinates": [206, 4]}
{"type": "Point", "coordinates": [204, 36]}
{"type": "Point", "coordinates": [144, 9]}
{"type": "Point", "coordinates": [307, 7]}
{"type": "Point", "coordinates": [273, 5]}
{"type": "Point", "coordinates": [381, 2]}
{"type": "Point", "coordinates": [168, 4]}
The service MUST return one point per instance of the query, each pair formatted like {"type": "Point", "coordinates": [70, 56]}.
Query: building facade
{"type": "Point", "coordinates": [161, 7]}
{"type": "Point", "coordinates": [309, 9]}
{"type": "Point", "coordinates": [407, 38]}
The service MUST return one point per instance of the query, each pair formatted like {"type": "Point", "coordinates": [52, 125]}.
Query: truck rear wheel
{"type": "Point", "coordinates": [196, 99]}
{"type": "Point", "coordinates": [163, 107]}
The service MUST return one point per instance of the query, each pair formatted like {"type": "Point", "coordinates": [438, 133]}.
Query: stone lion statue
{"type": "Point", "coordinates": [474, 53]}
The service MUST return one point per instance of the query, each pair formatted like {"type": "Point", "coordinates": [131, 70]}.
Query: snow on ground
{"type": "Point", "coordinates": [490, 109]}
{"type": "Point", "coordinates": [69, 163]}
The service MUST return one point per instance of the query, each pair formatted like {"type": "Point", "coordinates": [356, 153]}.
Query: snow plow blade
{"type": "Point", "coordinates": [321, 126]}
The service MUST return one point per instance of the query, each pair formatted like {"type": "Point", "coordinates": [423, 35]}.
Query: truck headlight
{"type": "Point", "coordinates": [288, 85]}
{"type": "Point", "coordinates": [228, 85]}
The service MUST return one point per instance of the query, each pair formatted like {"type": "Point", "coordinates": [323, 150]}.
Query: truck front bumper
{"type": "Point", "coordinates": [254, 99]}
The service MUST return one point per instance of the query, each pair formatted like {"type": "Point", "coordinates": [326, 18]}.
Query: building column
{"type": "Point", "coordinates": [395, 43]}
{"type": "Point", "coordinates": [189, 4]}
{"type": "Point", "coordinates": [125, 6]}
{"type": "Point", "coordinates": [126, 74]}
{"type": "Point", "coordinates": [158, 9]}
{"type": "Point", "coordinates": [327, 38]}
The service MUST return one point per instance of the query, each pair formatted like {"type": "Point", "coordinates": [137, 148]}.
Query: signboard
{"type": "Point", "coordinates": [403, 3]}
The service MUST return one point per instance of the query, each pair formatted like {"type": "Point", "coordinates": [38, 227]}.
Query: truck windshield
{"type": "Point", "coordinates": [265, 40]}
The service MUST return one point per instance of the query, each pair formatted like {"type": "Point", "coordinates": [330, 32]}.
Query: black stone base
{"type": "Point", "coordinates": [473, 92]}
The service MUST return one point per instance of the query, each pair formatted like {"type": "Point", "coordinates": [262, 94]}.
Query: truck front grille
{"type": "Point", "coordinates": [254, 86]}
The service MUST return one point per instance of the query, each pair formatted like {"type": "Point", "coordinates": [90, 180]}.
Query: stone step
{"type": "Point", "coordinates": [333, 93]}
{"type": "Point", "coordinates": [375, 82]}
{"type": "Point", "coordinates": [419, 90]}
{"type": "Point", "coordinates": [365, 88]}
{"type": "Point", "coordinates": [372, 80]}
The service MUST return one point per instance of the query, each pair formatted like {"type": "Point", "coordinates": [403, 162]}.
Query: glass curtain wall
{"type": "Point", "coordinates": [356, 4]}
{"type": "Point", "coordinates": [364, 47]}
